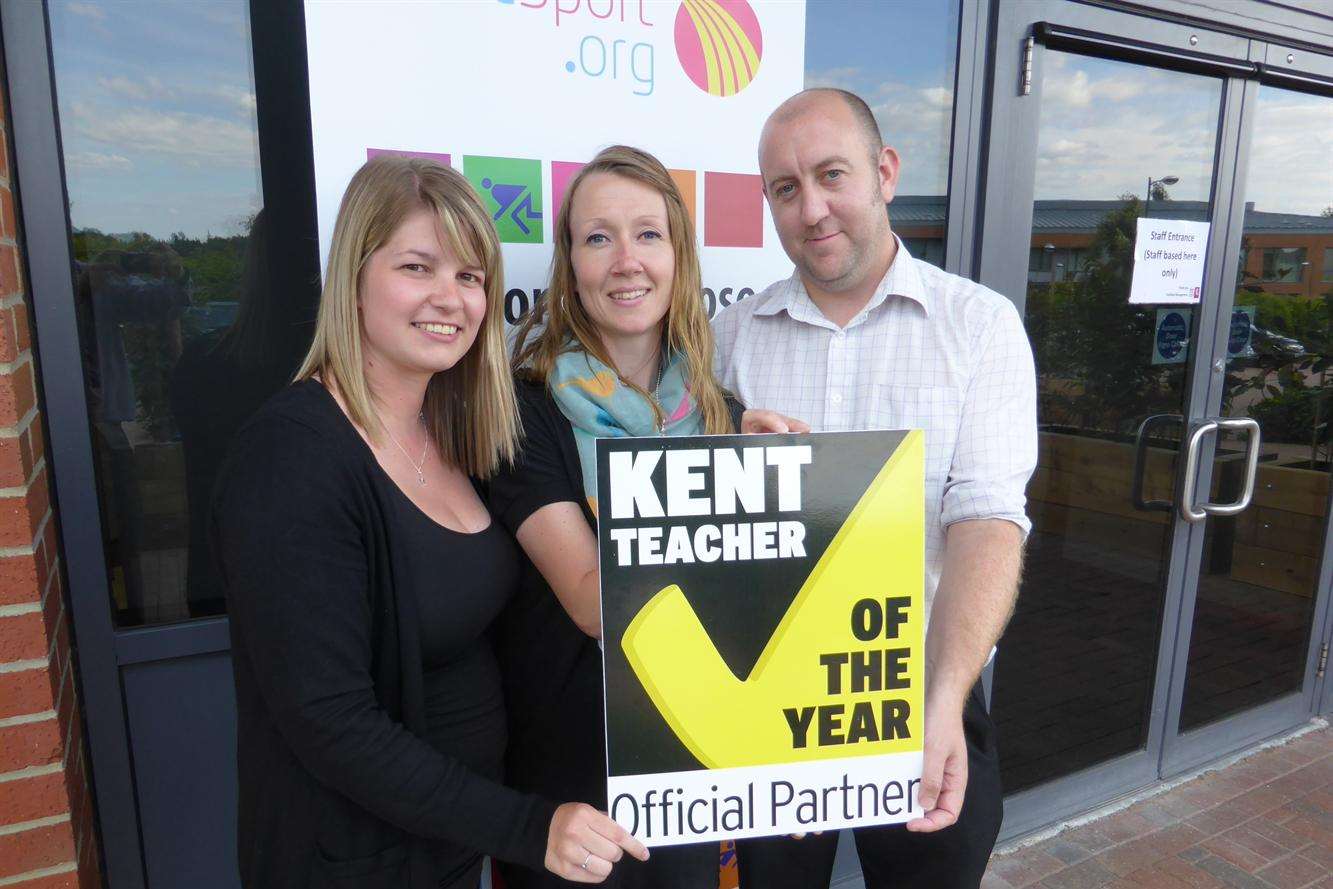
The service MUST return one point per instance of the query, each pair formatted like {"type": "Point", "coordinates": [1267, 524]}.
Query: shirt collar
{"type": "Point", "coordinates": [902, 279]}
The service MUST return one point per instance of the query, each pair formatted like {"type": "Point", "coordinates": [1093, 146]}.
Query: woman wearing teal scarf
{"type": "Point", "coordinates": [619, 347]}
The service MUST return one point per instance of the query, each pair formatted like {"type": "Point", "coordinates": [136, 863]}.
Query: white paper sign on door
{"type": "Point", "coordinates": [1168, 261]}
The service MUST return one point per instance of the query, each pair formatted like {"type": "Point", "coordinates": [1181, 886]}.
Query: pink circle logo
{"type": "Point", "coordinates": [719, 44]}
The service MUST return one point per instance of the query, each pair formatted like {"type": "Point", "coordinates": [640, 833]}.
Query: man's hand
{"type": "Point", "coordinates": [771, 421]}
{"type": "Point", "coordinates": [944, 770]}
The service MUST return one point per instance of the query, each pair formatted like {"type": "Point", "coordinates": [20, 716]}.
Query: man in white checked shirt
{"type": "Point", "coordinates": [864, 336]}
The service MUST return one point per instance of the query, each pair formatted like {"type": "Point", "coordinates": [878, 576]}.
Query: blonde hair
{"type": "Point", "coordinates": [560, 323]}
{"type": "Point", "coordinates": [470, 409]}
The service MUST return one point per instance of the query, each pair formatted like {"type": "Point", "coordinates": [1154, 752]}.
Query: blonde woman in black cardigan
{"type": "Point", "coordinates": [362, 571]}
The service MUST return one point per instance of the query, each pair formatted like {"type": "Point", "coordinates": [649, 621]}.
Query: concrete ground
{"type": "Point", "coordinates": [1261, 822]}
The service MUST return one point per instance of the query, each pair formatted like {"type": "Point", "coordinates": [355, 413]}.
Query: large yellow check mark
{"type": "Point", "coordinates": [726, 721]}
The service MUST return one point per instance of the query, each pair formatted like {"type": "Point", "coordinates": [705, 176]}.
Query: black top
{"type": "Point", "coordinates": [552, 669]}
{"type": "Point", "coordinates": [341, 779]}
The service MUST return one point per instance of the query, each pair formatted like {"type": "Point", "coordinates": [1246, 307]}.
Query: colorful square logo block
{"type": "Point", "coordinates": [372, 153]}
{"type": "Point", "coordinates": [561, 174]}
{"type": "Point", "coordinates": [511, 188]}
{"type": "Point", "coordinates": [733, 210]}
{"type": "Point", "coordinates": [685, 180]}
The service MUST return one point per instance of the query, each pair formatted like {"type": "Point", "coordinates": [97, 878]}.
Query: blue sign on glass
{"type": "Point", "coordinates": [1173, 336]}
{"type": "Point", "coordinates": [1242, 327]}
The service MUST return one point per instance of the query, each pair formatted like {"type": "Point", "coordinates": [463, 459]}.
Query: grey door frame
{"type": "Point", "coordinates": [1116, 31]}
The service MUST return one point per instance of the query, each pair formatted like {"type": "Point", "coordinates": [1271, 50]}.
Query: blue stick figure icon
{"type": "Point", "coordinates": [516, 197]}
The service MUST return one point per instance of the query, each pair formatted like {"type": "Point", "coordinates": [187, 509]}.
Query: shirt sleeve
{"type": "Point", "coordinates": [539, 475]}
{"type": "Point", "coordinates": [996, 450]}
{"type": "Point", "coordinates": [289, 534]}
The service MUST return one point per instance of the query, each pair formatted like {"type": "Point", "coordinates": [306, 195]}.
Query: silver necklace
{"type": "Point", "coordinates": [418, 465]}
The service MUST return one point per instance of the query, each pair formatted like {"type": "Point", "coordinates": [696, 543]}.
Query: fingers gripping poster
{"type": "Point", "coordinates": [762, 615]}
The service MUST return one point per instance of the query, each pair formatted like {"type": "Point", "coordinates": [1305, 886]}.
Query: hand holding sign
{"type": "Point", "coordinates": [582, 844]}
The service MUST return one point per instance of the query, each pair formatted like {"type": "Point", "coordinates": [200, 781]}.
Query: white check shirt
{"type": "Point", "coordinates": [930, 351]}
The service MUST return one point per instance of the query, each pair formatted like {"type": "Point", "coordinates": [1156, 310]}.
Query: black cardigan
{"type": "Point", "coordinates": [337, 785]}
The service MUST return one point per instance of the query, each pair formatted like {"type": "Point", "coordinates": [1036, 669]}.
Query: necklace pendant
{"type": "Point", "coordinates": [421, 479]}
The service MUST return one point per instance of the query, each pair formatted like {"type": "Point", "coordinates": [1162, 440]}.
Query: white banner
{"type": "Point", "coordinates": [753, 801]}
{"type": "Point", "coordinates": [516, 94]}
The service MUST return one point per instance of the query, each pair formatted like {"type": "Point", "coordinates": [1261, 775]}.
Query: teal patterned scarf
{"type": "Point", "coordinates": [598, 405]}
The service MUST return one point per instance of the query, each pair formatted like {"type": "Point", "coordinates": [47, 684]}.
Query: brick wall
{"type": "Point", "coordinates": [47, 836]}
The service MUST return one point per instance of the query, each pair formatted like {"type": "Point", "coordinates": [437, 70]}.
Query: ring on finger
{"type": "Point", "coordinates": [584, 865]}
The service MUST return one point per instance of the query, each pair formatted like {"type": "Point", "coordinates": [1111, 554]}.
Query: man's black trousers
{"type": "Point", "coordinates": [952, 858]}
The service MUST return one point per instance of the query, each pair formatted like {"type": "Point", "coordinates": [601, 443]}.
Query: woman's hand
{"type": "Point", "coordinates": [771, 421]}
{"type": "Point", "coordinates": [584, 843]}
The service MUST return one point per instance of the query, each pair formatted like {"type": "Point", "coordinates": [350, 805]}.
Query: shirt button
{"type": "Point", "coordinates": [836, 398]}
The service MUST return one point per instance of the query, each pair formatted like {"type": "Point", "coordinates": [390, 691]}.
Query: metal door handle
{"type": "Point", "coordinates": [1253, 443]}
{"type": "Point", "coordinates": [1140, 464]}
{"type": "Point", "coordinates": [1188, 510]}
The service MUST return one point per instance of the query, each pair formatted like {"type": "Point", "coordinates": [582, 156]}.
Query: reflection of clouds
{"type": "Point", "coordinates": [194, 138]}
{"type": "Point", "coordinates": [838, 78]}
{"type": "Point", "coordinates": [92, 160]}
{"type": "Point", "coordinates": [151, 89]}
{"type": "Point", "coordinates": [146, 89]}
{"type": "Point", "coordinates": [86, 10]}
{"type": "Point", "coordinates": [1291, 155]}
{"type": "Point", "coordinates": [915, 120]}
{"type": "Point", "coordinates": [1107, 126]}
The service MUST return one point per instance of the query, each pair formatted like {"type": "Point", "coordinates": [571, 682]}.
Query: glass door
{"type": "Point", "coordinates": [1250, 645]}
{"type": "Point", "coordinates": [1111, 120]}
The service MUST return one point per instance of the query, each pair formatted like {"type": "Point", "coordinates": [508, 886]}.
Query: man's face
{"type": "Point", "coordinates": [827, 194]}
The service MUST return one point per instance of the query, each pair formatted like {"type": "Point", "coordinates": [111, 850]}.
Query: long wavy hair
{"type": "Point", "coordinates": [470, 409]}
{"type": "Point", "coordinates": [560, 323]}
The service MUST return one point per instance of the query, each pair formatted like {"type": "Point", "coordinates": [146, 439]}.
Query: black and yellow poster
{"type": "Point", "coordinates": [762, 615]}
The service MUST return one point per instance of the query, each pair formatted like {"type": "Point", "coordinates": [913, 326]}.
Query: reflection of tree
{"type": "Point", "coordinates": [134, 285]}
{"type": "Point", "coordinates": [1093, 349]}
{"type": "Point", "coordinates": [1293, 405]}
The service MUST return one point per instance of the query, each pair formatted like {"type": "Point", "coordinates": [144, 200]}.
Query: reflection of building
{"type": "Point", "coordinates": [1285, 253]}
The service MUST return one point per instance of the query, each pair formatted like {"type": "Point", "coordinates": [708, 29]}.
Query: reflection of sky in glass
{"type": "Point", "coordinates": [900, 57]}
{"type": "Point", "coordinates": [1107, 126]}
{"type": "Point", "coordinates": [1291, 154]}
{"type": "Point", "coordinates": [157, 115]}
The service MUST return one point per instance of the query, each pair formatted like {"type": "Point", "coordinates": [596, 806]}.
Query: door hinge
{"type": "Point", "coordinates": [1027, 65]}
{"type": "Point", "coordinates": [1323, 661]}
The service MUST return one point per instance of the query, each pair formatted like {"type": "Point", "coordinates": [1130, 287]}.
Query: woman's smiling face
{"type": "Point", "coordinates": [421, 306]}
{"type": "Point", "coordinates": [623, 260]}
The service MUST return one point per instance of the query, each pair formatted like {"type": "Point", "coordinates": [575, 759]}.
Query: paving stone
{"type": "Point", "coordinates": [1276, 833]}
{"type": "Point", "coordinates": [1026, 866]}
{"type": "Point", "coordinates": [1259, 845]}
{"type": "Point", "coordinates": [1090, 874]}
{"type": "Point", "coordinates": [1188, 874]}
{"type": "Point", "coordinates": [1127, 824]}
{"type": "Point", "coordinates": [1265, 822]}
{"type": "Point", "coordinates": [1221, 818]}
{"type": "Point", "coordinates": [1229, 850]}
{"type": "Point", "coordinates": [1320, 854]}
{"type": "Point", "coordinates": [1090, 837]}
{"type": "Point", "coordinates": [1147, 850]}
{"type": "Point", "coordinates": [1230, 875]}
{"type": "Point", "coordinates": [1066, 850]}
{"type": "Point", "coordinates": [993, 880]}
{"type": "Point", "coordinates": [1292, 872]}
{"type": "Point", "coordinates": [1149, 878]}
